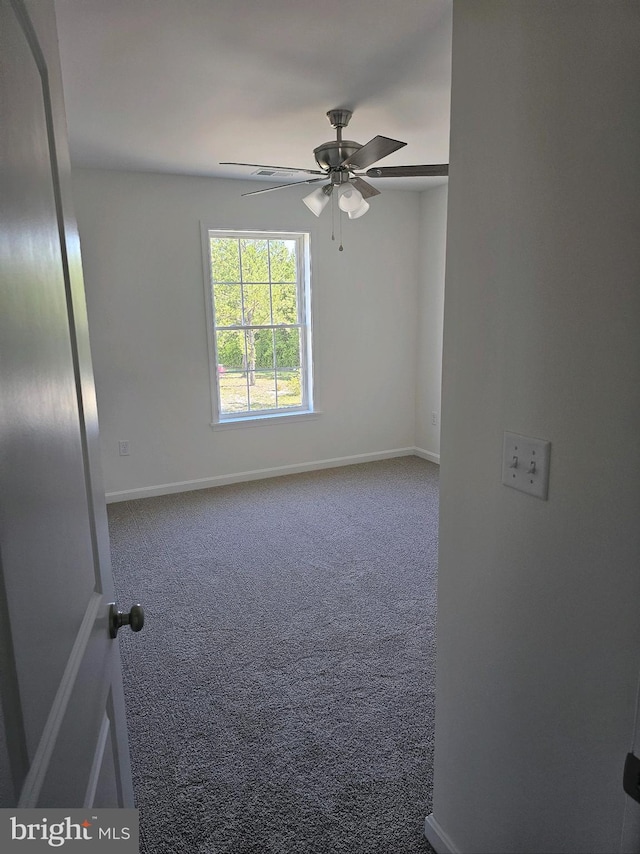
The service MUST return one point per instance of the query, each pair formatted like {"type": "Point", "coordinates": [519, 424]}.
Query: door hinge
{"type": "Point", "coordinates": [631, 777]}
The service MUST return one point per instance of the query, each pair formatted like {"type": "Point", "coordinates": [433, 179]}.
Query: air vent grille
{"type": "Point", "coordinates": [270, 173]}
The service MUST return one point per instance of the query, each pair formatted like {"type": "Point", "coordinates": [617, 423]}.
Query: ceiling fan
{"type": "Point", "coordinates": [338, 161]}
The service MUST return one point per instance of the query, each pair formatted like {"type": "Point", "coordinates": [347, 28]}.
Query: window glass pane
{"type": "Point", "coordinates": [289, 388]}
{"type": "Point", "coordinates": [257, 305]}
{"type": "Point", "coordinates": [285, 303]}
{"type": "Point", "coordinates": [227, 301]}
{"type": "Point", "coordinates": [255, 260]}
{"type": "Point", "coordinates": [283, 260]}
{"type": "Point", "coordinates": [264, 348]}
{"type": "Point", "coordinates": [230, 350]}
{"type": "Point", "coordinates": [287, 348]}
{"type": "Point", "coordinates": [233, 391]}
{"type": "Point", "coordinates": [250, 363]}
{"type": "Point", "coordinates": [263, 391]}
{"type": "Point", "coordinates": [225, 259]}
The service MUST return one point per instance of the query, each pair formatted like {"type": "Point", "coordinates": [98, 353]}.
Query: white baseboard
{"type": "Point", "coordinates": [258, 474]}
{"type": "Point", "coordinates": [427, 455]}
{"type": "Point", "coordinates": [438, 839]}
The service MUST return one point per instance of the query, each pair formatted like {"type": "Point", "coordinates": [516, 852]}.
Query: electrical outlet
{"type": "Point", "coordinates": [434, 418]}
{"type": "Point", "coordinates": [123, 448]}
{"type": "Point", "coordinates": [525, 464]}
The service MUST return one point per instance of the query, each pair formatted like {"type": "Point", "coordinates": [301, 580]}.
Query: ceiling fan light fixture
{"type": "Point", "coordinates": [349, 199]}
{"type": "Point", "coordinates": [358, 212]}
{"type": "Point", "coordinates": [319, 199]}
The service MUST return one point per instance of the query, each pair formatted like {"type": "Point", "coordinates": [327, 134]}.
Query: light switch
{"type": "Point", "coordinates": [525, 464]}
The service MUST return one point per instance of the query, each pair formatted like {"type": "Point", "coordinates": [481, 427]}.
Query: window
{"type": "Point", "coordinates": [259, 324]}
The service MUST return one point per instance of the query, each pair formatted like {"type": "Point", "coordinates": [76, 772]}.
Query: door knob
{"type": "Point", "coordinates": [134, 619]}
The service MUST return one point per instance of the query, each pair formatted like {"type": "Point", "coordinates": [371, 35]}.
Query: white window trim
{"type": "Point", "coordinates": [273, 419]}
{"type": "Point", "coordinates": [258, 417]}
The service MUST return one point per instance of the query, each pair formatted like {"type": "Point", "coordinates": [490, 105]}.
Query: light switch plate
{"type": "Point", "coordinates": [525, 464]}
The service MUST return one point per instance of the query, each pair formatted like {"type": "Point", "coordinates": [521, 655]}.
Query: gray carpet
{"type": "Point", "coordinates": [280, 698]}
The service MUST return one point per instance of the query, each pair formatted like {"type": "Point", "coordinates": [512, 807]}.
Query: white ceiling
{"type": "Point", "coordinates": [179, 85]}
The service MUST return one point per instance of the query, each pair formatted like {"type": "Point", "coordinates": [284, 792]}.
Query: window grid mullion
{"type": "Point", "coordinates": [258, 326]}
{"type": "Point", "coordinates": [246, 353]}
{"type": "Point", "coordinates": [214, 368]}
{"type": "Point", "coordinates": [301, 307]}
{"type": "Point", "coordinates": [275, 364]}
{"type": "Point", "coordinates": [273, 332]}
{"type": "Point", "coordinates": [270, 288]}
{"type": "Point", "coordinates": [246, 371]}
{"type": "Point", "coordinates": [241, 281]}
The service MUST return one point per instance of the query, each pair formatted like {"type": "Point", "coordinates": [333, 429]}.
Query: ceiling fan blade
{"type": "Point", "coordinates": [375, 149]}
{"type": "Point", "coordinates": [364, 187]}
{"type": "Point", "coordinates": [408, 171]}
{"type": "Point", "coordinates": [263, 166]}
{"type": "Point", "coordinates": [282, 186]}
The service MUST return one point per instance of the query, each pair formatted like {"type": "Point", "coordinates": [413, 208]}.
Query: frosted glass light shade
{"type": "Point", "coordinates": [364, 207]}
{"type": "Point", "coordinates": [318, 200]}
{"type": "Point", "coordinates": [349, 199]}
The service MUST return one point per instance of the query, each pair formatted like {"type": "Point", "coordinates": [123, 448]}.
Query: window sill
{"type": "Point", "coordinates": [257, 420]}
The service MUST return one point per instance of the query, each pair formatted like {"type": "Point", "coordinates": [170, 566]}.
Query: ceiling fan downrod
{"type": "Point", "coordinates": [331, 155]}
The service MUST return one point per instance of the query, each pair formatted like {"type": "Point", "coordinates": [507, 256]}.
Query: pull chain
{"type": "Point", "coordinates": [333, 218]}
{"type": "Point", "coordinates": [334, 203]}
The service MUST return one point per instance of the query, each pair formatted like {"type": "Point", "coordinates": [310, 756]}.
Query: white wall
{"type": "Point", "coordinates": [433, 239]}
{"type": "Point", "coordinates": [140, 236]}
{"type": "Point", "coordinates": [538, 628]}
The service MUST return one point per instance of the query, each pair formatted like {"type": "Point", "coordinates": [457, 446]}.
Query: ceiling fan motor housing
{"type": "Point", "coordinates": [330, 155]}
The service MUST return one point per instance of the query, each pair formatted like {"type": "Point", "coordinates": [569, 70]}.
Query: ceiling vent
{"type": "Point", "coordinates": [270, 173]}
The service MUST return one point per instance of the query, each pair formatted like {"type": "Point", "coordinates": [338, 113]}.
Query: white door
{"type": "Point", "coordinates": [63, 739]}
{"type": "Point", "coordinates": [630, 840]}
